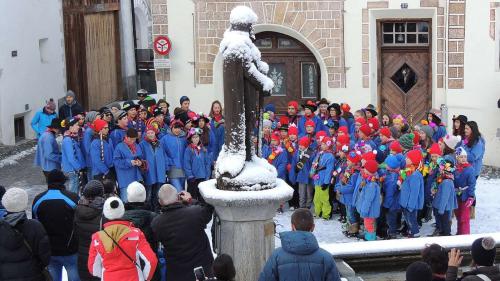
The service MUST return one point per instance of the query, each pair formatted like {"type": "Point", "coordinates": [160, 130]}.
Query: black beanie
{"type": "Point", "coordinates": [483, 251]}
{"type": "Point", "coordinates": [419, 271]}
{"type": "Point", "coordinates": [56, 177]}
{"type": "Point", "coordinates": [92, 189]}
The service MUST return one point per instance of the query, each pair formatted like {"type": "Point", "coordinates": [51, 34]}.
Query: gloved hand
{"type": "Point", "coordinates": [324, 186]}
{"type": "Point", "coordinates": [469, 202]}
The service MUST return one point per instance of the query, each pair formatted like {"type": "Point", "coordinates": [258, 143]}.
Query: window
{"type": "Point", "coordinates": [405, 78]}
{"type": "Point", "coordinates": [277, 73]}
{"type": "Point", "coordinates": [309, 77]}
{"type": "Point", "coordinates": [405, 34]}
{"type": "Point", "coordinates": [264, 43]}
{"type": "Point", "coordinates": [44, 50]}
{"type": "Point", "coordinates": [286, 43]}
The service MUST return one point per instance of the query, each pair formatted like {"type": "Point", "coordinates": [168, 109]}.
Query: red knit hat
{"type": "Point", "coordinates": [283, 120]}
{"type": "Point", "coordinates": [369, 156]}
{"type": "Point", "coordinates": [294, 104]}
{"type": "Point", "coordinates": [385, 131]}
{"type": "Point", "coordinates": [354, 156]}
{"type": "Point", "coordinates": [345, 107]}
{"type": "Point", "coordinates": [304, 141]}
{"type": "Point", "coordinates": [374, 124]}
{"type": "Point", "coordinates": [309, 123]}
{"type": "Point", "coordinates": [365, 129]}
{"type": "Point", "coordinates": [343, 129]}
{"type": "Point", "coordinates": [415, 156]}
{"type": "Point", "coordinates": [396, 147]}
{"type": "Point", "coordinates": [435, 149]}
{"type": "Point", "coordinates": [275, 137]}
{"type": "Point", "coordinates": [292, 130]}
{"type": "Point", "coordinates": [371, 166]}
{"type": "Point", "coordinates": [99, 124]}
{"type": "Point", "coordinates": [361, 120]}
{"type": "Point", "coordinates": [327, 140]}
{"type": "Point", "coordinates": [342, 140]}
{"type": "Point", "coordinates": [416, 138]}
{"type": "Point", "coordinates": [320, 135]}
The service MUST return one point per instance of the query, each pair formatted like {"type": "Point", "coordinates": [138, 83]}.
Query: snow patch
{"type": "Point", "coordinates": [243, 15]}
{"type": "Point", "coordinates": [231, 162]}
{"type": "Point", "coordinates": [12, 160]}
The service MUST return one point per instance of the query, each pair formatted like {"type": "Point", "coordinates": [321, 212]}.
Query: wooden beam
{"type": "Point", "coordinates": [96, 8]}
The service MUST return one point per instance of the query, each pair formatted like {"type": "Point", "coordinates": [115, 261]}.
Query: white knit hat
{"type": "Point", "coordinates": [460, 151]}
{"type": "Point", "coordinates": [136, 192]}
{"type": "Point", "coordinates": [15, 200]}
{"type": "Point", "coordinates": [451, 141]}
{"type": "Point", "coordinates": [113, 208]}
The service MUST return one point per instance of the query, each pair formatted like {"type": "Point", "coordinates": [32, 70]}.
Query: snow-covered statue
{"type": "Point", "coordinates": [245, 82]}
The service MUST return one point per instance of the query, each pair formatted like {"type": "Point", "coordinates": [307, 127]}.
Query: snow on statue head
{"type": "Point", "coordinates": [245, 78]}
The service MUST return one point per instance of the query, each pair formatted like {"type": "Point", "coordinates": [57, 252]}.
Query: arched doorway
{"type": "Point", "coordinates": [293, 68]}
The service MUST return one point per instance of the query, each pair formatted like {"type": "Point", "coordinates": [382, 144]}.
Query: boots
{"type": "Point", "coordinates": [428, 213]}
{"type": "Point", "coordinates": [370, 236]}
{"type": "Point", "coordinates": [353, 230]}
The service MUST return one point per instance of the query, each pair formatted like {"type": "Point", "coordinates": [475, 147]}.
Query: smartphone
{"type": "Point", "coordinates": [199, 273]}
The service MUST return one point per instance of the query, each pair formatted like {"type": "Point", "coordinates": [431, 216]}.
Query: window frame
{"type": "Point", "coordinates": [417, 33]}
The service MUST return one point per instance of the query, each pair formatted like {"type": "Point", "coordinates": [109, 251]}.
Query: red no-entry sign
{"type": "Point", "coordinates": [162, 45]}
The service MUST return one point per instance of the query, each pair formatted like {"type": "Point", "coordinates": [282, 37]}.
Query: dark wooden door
{"type": "Point", "coordinates": [405, 87]}
{"type": "Point", "coordinates": [292, 67]}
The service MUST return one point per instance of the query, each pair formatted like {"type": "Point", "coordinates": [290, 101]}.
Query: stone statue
{"type": "Point", "coordinates": [245, 82]}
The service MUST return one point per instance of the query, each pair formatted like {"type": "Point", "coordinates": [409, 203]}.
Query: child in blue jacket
{"type": "Point", "coordinates": [127, 161]}
{"type": "Point", "coordinates": [445, 200]}
{"type": "Point", "coordinates": [299, 172]}
{"type": "Point", "coordinates": [368, 203]}
{"type": "Point", "coordinates": [412, 191]}
{"type": "Point", "coordinates": [345, 188]}
{"type": "Point", "coordinates": [217, 129]}
{"type": "Point", "coordinates": [43, 118]}
{"type": "Point", "coordinates": [155, 156]}
{"type": "Point", "coordinates": [276, 156]}
{"type": "Point", "coordinates": [101, 152]}
{"type": "Point", "coordinates": [197, 162]}
{"type": "Point", "coordinates": [174, 145]}
{"type": "Point", "coordinates": [465, 185]}
{"type": "Point", "coordinates": [430, 173]}
{"type": "Point", "coordinates": [308, 117]}
{"type": "Point", "coordinates": [390, 189]}
{"type": "Point", "coordinates": [119, 132]}
{"type": "Point", "coordinates": [72, 160]}
{"type": "Point", "coordinates": [321, 172]}
{"type": "Point", "coordinates": [48, 156]}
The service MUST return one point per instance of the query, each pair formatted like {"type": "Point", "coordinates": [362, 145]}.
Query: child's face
{"type": "Point", "coordinates": [74, 128]}
{"type": "Point", "coordinates": [385, 120]}
{"type": "Point", "coordinates": [441, 145]}
{"type": "Point", "coordinates": [467, 131]}
{"type": "Point", "coordinates": [301, 147]}
{"type": "Point", "coordinates": [332, 131]}
{"type": "Point", "coordinates": [462, 159]}
{"type": "Point", "coordinates": [267, 130]}
{"type": "Point", "coordinates": [123, 122]}
{"type": "Point", "coordinates": [292, 110]}
{"type": "Point", "coordinates": [159, 118]}
{"type": "Point", "coordinates": [283, 134]}
{"type": "Point", "coordinates": [201, 123]}
{"type": "Point", "coordinates": [292, 137]}
{"type": "Point", "coordinates": [408, 162]}
{"type": "Point", "coordinates": [307, 111]}
{"type": "Point", "coordinates": [398, 126]}
{"type": "Point", "coordinates": [150, 134]}
{"type": "Point", "coordinates": [456, 123]}
{"type": "Point", "coordinates": [368, 114]}
{"type": "Point", "coordinates": [216, 108]}
{"type": "Point", "coordinates": [357, 114]}
{"type": "Point", "coordinates": [333, 113]}
{"type": "Point", "coordinates": [323, 108]}
{"type": "Point", "coordinates": [195, 139]}
{"type": "Point", "coordinates": [188, 126]}
{"type": "Point", "coordinates": [429, 117]}
{"type": "Point", "coordinates": [176, 130]}
{"type": "Point", "coordinates": [383, 138]}
{"type": "Point", "coordinates": [274, 142]}
{"type": "Point", "coordinates": [340, 133]}
{"type": "Point", "coordinates": [309, 129]}
{"type": "Point", "coordinates": [143, 115]}
{"type": "Point", "coordinates": [324, 146]}
{"type": "Point", "coordinates": [422, 135]}
{"type": "Point", "coordinates": [392, 152]}
{"type": "Point", "coordinates": [434, 158]}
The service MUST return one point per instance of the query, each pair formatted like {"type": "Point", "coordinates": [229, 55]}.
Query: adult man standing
{"type": "Point", "coordinates": [300, 257]}
{"type": "Point", "coordinates": [48, 155]}
{"type": "Point", "coordinates": [55, 209]}
{"type": "Point", "coordinates": [181, 229]}
{"type": "Point", "coordinates": [70, 107]}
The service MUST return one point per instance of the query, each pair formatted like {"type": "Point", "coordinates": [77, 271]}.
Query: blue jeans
{"type": "Point", "coordinates": [392, 221]}
{"type": "Point", "coordinates": [443, 222]}
{"type": "Point", "coordinates": [178, 183]}
{"type": "Point", "coordinates": [411, 221]}
{"type": "Point", "coordinates": [68, 262]}
{"type": "Point", "coordinates": [74, 182]}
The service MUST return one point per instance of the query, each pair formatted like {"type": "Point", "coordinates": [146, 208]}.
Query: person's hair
{"type": "Point", "coordinates": [223, 268]}
{"type": "Point", "coordinates": [160, 101]}
{"type": "Point", "coordinates": [132, 133]}
{"type": "Point", "coordinates": [167, 195]}
{"type": "Point", "coordinates": [460, 131]}
{"type": "Point", "coordinates": [475, 134]}
{"type": "Point", "coordinates": [361, 113]}
{"type": "Point", "coordinates": [437, 257]}
{"type": "Point", "coordinates": [303, 219]}
{"type": "Point", "coordinates": [212, 108]}
{"type": "Point", "coordinates": [448, 150]}
{"type": "Point", "coordinates": [109, 186]}
{"type": "Point", "coordinates": [382, 119]}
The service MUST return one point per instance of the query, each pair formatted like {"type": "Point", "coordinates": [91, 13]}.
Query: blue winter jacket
{"type": "Point", "coordinates": [391, 191]}
{"type": "Point", "coordinates": [347, 190]}
{"type": "Point", "coordinates": [466, 182]}
{"type": "Point", "coordinates": [368, 205]}
{"type": "Point", "coordinates": [157, 163]}
{"type": "Point", "coordinates": [98, 165]}
{"type": "Point", "coordinates": [197, 165]}
{"type": "Point", "coordinates": [216, 139]}
{"type": "Point", "coordinates": [445, 199]}
{"type": "Point", "coordinates": [475, 155]}
{"type": "Point", "coordinates": [279, 162]}
{"type": "Point", "coordinates": [117, 135]}
{"type": "Point", "coordinates": [72, 156]}
{"type": "Point", "coordinates": [302, 125]}
{"type": "Point", "coordinates": [40, 122]}
{"type": "Point", "coordinates": [350, 125]}
{"type": "Point", "coordinates": [439, 132]}
{"type": "Point", "coordinates": [174, 147]}
{"type": "Point", "coordinates": [299, 258]}
{"type": "Point", "coordinates": [48, 156]}
{"type": "Point", "coordinates": [355, 193]}
{"type": "Point", "coordinates": [86, 142]}
{"type": "Point", "coordinates": [429, 181]}
{"type": "Point", "coordinates": [125, 172]}
{"type": "Point", "coordinates": [412, 192]}
{"type": "Point", "coordinates": [325, 160]}
{"type": "Point", "coordinates": [303, 175]}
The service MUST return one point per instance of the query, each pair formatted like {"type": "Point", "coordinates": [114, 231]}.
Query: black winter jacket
{"type": "Point", "coordinates": [181, 230]}
{"type": "Point", "coordinates": [55, 209]}
{"type": "Point", "coordinates": [66, 110]}
{"type": "Point", "coordinates": [17, 263]}
{"type": "Point", "coordinates": [88, 220]}
{"type": "Point", "coordinates": [140, 215]}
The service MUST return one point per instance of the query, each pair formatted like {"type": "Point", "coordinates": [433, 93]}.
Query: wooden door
{"type": "Point", "coordinates": [405, 85]}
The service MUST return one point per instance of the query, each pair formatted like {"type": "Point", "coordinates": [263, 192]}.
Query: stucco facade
{"type": "Point", "coordinates": [342, 35]}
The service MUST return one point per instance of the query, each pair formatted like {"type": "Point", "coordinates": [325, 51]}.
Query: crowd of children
{"type": "Point", "coordinates": [375, 171]}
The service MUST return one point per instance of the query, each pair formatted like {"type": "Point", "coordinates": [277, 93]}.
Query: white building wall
{"type": "Point", "coordinates": [25, 79]}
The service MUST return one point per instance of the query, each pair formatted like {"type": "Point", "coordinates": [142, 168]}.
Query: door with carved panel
{"type": "Point", "coordinates": [405, 70]}
{"type": "Point", "coordinates": [292, 67]}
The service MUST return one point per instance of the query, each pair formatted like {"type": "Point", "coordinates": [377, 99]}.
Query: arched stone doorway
{"type": "Point", "coordinates": [293, 68]}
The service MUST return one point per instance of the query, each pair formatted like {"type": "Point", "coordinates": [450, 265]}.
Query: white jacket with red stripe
{"type": "Point", "coordinates": [108, 261]}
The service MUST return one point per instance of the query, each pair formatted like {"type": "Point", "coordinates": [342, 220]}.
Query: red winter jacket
{"type": "Point", "coordinates": [108, 262]}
